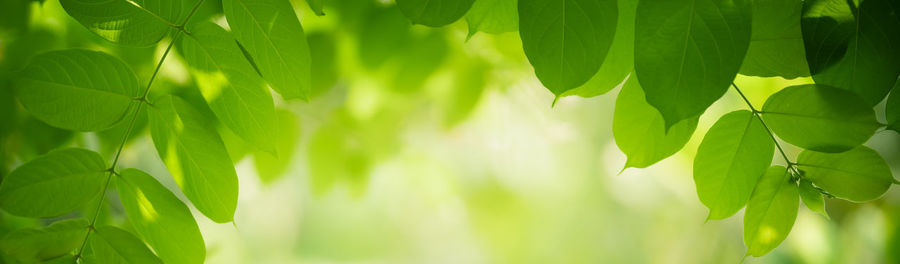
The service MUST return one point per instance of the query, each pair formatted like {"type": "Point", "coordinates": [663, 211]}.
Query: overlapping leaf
{"type": "Point", "coordinates": [493, 16]}
{"type": "Point", "coordinates": [858, 175]}
{"type": "Point", "coordinates": [812, 198]}
{"type": "Point", "coordinates": [771, 211]}
{"type": "Point", "coordinates": [776, 45]}
{"type": "Point", "coordinates": [434, 13]}
{"type": "Point", "coordinates": [620, 59]}
{"type": "Point", "coordinates": [53, 184]}
{"type": "Point", "coordinates": [116, 246]}
{"type": "Point", "coordinates": [137, 22]}
{"type": "Point", "coordinates": [39, 244]}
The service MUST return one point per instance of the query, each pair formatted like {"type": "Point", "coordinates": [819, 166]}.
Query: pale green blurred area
{"type": "Point", "coordinates": [422, 147]}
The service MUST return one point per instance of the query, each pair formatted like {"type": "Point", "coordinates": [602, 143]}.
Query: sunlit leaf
{"type": "Point", "coordinates": [269, 167]}
{"type": "Point", "coordinates": [732, 157]}
{"type": "Point", "coordinates": [136, 22]}
{"type": "Point", "coordinates": [160, 219]}
{"type": "Point", "coordinates": [78, 89]}
{"type": "Point", "coordinates": [820, 118]}
{"type": "Point", "coordinates": [316, 6]}
{"type": "Point", "coordinates": [858, 175]}
{"type": "Point", "coordinates": [116, 246]}
{"type": "Point", "coordinates": [776, 45]}
{"type": "Point", "coordinates": [434, 13]}
{"type": "Point", "coordinates": [687, 52]}
{"type": "Point", "coordinates": [771, 211]}
{"type": "Point", "coordinates": [493, 17]}
{"type": "Point", "coordinates": [53, 184]}
{"type": "Point", "coordinates": [812, 198]}
{"type": "Point", "coordinates": [45, 243]}
{"type": "Point", "coordinates": [620, 59]}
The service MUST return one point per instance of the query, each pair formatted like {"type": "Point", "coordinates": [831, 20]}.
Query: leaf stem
{"type": "Point", "coordinates": [790, 164]}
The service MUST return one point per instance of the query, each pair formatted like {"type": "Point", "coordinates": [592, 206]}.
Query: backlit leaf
{"type": "Point", "coordinates": [53, 184]}
{"type": "Point", "coordinates": [858, 175]}
{"type": "Point", "coordinates": [45, 243]}
{"type": "Point", "coordinates": [270, 167]}
{"type": "Point", "coordinates": [620, 59]}
{"type": "Point", "coordinates": [812, 198]}
{"type": "Point", "coordinates": [136, 22]}
{"type": "Point", "coordinates": [434, 13]}
{"type": "Point", "coordinates": [493, 16]}
{"type": "Point", "coordinates": [771, 211]}
{"type": "Point", "coordinates": [116, 246]}
{"type": "Point", "coordinates": [776, 44]}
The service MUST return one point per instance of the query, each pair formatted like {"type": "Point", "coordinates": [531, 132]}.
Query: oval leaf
{"type": "Point", "coordinates": [820, 118]}
{"type": "Point", "coordinates": [78, 89]}
{"type": "Point", "coordinates": [732, 156]}
{"type": "Point", "coordinates": [434, 13]}
{"type": "Point", "coordinates": [38, 244]}
{"type": "Point", "coordinates": [812, 198]}
{"type": "Point", "coordinates": [619, 62]}
{"type": "Point", "coordinates": [687, 52]}
{"type": "Point", "coordinates": [163, 221]}
{"type": "Point", "coordinates": [135, 23]}
{"type": "Point", "coordinates": [493, 17]}
{"type": "Point", "coordinates": [776, 44]}
{"type": "Point", "coordinates": [771, 212]}
{"type": "Point", "coordinates": [73, 176]}
{"type": "Point", "coordinates": [566, 40]}
{"type": "Point", "coordinates": [195, 156]}
{"type": "Point", "coordinates": [116, 246]}
{"type": "Point", "coordinates": [857, 175]}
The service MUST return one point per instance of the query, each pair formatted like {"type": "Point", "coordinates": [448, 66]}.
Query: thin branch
{"type": "Point", "coordinates": [756, 113]}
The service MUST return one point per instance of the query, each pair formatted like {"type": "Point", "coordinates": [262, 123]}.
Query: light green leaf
{"type": "Point", "coordinates": [820, 118]}
{"type": "Point", "coordinates": [460, 99]}
{"type": "Point", "coordinates": [316, 6]}
{"type": "Point", "coordinates": [73, 176]}
{"type": "Point", "coordinates": [45, 243]}
{"type": "Point", "coordinates": [270, 167]}
{"type": "Point", "coordinates": [732, 156]}
{"type": "Point", "coordinates": [771, 212]}
{"type": "Point", "coordinates": [434, 13]}
{"type": "Point", "coordinates": [234, 91]}
{"type": "Point", "coordinates": [812, 198]}
{"type": "Point", "coordinates": [163, 221]}
{"type": "Point", "coordinates": [620, 59]}
{"type": "Point", "coordinates": [566, 40]}
{"type": "Point", "coordinates": [324, 71]}
{"type": "Point", "coordinates": [687, 52]}
{"type": "Point", "coordinates": [270, 31]}
{"type": "Point", "coordinates": [78, 89]}
{"type": "Point", "coordinates": [639, 129]}
{"type": "Point", "coordinates": [857, 175]}
{"type": "Point", "coordinates": [493, 17]}
{"type": "Point", "coordinates": [776, 44]}
{"type": "Point", "coordinates": [892, 108]}
{"type": "Point", "coordinates": [135, 22]}
{"type": "Point", "coordinates": [195, 156]}
{"type": "Point", "coordinates": [112, 245]}
{"type": "Point", "coordinates": [853, 47]}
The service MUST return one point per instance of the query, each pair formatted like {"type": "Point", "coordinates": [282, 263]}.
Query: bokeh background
{"type": "Point", "coordinates": [424, 145]}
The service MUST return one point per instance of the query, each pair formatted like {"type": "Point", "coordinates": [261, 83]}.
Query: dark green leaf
{"type": "Point", "coordinates": [434, 13]}
{"type": "Point", "coordinates": [892, 108]}
{"type": "Point", "coordinates": [858, 175]}
{"type": "Point", "coordinates": [820, 118]}
{"type": "Point", "coordinates": [73, 176]}
{"type": "Point", "coordinates": [732, 156]}
{"type": "Point", "coordinates": [776, 45]}
{"type": "Point", "coordinates": [493, 17]}
{"type": "Point", "coordinates": [771, 212]}
{"type": "Point", "coordinates": [38, 244]}
{"type": "Point", "coordinates": [112, 245]}
{"type": "Point", "coordinates": [620, 59]}
{"type": "Point", "coordinates": [137, 22]}
{"type": "Point", "coordinates": [812, 198]}
{"type": "Point", "coordinates": [316, 6]}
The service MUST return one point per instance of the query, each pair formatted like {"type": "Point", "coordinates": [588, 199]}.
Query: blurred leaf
{"type": "Point", "coordinates": [111, 138]}
{"type": "Point", "coordinates": [434, 13]}
{"type": "Point", "coordinates": [269, 167]}
{"type": "Point", "coordinates": [270, 31]}
{"type": "Point", "coordinates": [853, 47]}
{"type": "Point", "coordinates": [892, 108]}
{"type": "Point", "coordinates": [78, 89]}
{"type": "Point", "coordinates": [134, 23]}
{"type": "Point", "coordinates": [38, 138]}
{"type": "Point", "coordinates": [493, 17]}
{"type": "Point", "coordinates": [687, 52]}
{"type": "Point", "coordinates": [116, 246]}
{"type": "Point", "coordinates": [234, 91]}
{"type": "Point", "coordinates": [466, 92]}
{"type": "Point", "coordinates": [620, 59]}
{"type": "Point", "coordinates": [15, 16]}
{"type": "Point", "coordinates": [566, 48]}
{"type": "Point", "coordinates": [383, 33]}
{"type": "Point", "coordinates": [771, 211]}
{"type": "Point", "coordinates": [418, 62]}
{"type": "Point", "coordinates": [163, 221]}
{"type": "Point", "coordinates": [732, 157]}
{"type": "Point", "coordinates": [324, 68]}
{"type": "Point", "coordinates": [812, 198]}
{"type": "Point", "coordinates": [820, 118]}
{"type": "Point", "coordinates": [336, 155]}
{"type": "Point", "coordinates": [776, 44]}
{"type": "Point", "coordinates": [53, 184]}
{"type": "Point", "coordinates": [195, 156]}
{"type": "Point", "coordinates": [316, 6]}
{"type": "Point", "coordinates": [45, 243]}
{"type": "Point", "coordinates": [857, 175]}
{"type": "Point", "coordinates": [639, 129]}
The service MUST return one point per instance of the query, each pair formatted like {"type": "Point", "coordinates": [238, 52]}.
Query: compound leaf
{"type": "Point", "coordinates": [858, 175]}
{"type": "Point", "coordinates": [116, 246]}
{"type": "Point", "coordinates": [54, 184]}
{"type": "Point", "coordinates": [134, 23]}
{"type": "Point", "coordinates": [45, 243]}
{"type": "Point", "coordinates": [812, 198]}
{"type": "Point", "coordinates": [771, 211]}
{"type": "Point", "coordinates": [776, 44]}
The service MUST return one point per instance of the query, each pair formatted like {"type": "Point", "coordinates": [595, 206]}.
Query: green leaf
{"type": "Point", "coordinates": [270, 31]}
{"type": "Point", "coordinates": [857, 175]}
{"type": "Point", "coordinates": [619, 60]}
{"type": "Point", "coordinates": [853, 47]}
{"type": "Point", "coordinates": [235, 93]}
{"type": "Point", "coordinates": [812, 198]}
{"type": "Point", "coordinates": [732, 156]}
{"type": "Point", "coordinates": [163, 221]}
{"type": "Point", "coordinates": [324, 70]}
{"type": "Point", "coordinates": [316, 6]}
{"type": "Point", "coordinates": [639, 129]}
{"type": "Point", "coordinates": [45, 243]}
{"type": "Point", "coordinates": [892, 109]}
{"type": "Point", "coordinates": [78, 89]}
{"type": "Point", "coordinates": [135, 23]}
{"type": "Point", "coordinates": [434, 13]}
{"type": "Point", "coordinates": [776, 44]}
{"type": "Point", "coordinates": [771, 212]}
{"type": "Point", "coordinates": [270, 167]}
{"type": "Point", "coordinates": [73, 176]}
{"type": "Point", "coordinates": [460, 99]}
{"type": "Point", "coordinates": [493, 17]}
{"type": "Point", "coordinates": [566, 40]}
{"type": "Point", "coordinates": [195, 156]}
{"type": "Point", "coordinates": [820, 118]}
{"type": "Point", "coordinates": [113, 245]}
{"type": "Point", "coordinates": [687, 52]}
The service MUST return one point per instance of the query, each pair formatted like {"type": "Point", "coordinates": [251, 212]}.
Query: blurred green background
{"type": "Point", "coordinates": [424, 146]}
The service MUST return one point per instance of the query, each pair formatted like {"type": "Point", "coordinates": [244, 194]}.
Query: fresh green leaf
{"type": "Point", "coordinates": [566, 40]}
{"type": "Point", "coordinates": [434, 13]}
{"type": "Point", "coordinates": [384, 33]}
{"type": "Point", "coordinates": [687, 52]}
{"type": "Point", "coordinates": [418, 62]}
{"type": "Point", "coordinates": [73, 176]}
{"type": "Point", "coordinates": [116, 246]}
{"type": "Point", "coordinates": [195, 156]}
{"type": "Point", "coordinates": [812, 198]}
{"type": "Point", "coordinates": [324, 70]}
{"type": "Point", "coordinates": [620, 59]}
{"type": "Point", "coordinates": [892, 108]}
{"type": "Point", "coordinates": [771, 211]}
{"type": "Point", "coordinates": [270, 167]}
{"type": "Point", "coordinates": [732, 156]}
{"type": "Point", "coordinates": [639, 129]}
{"type": "Point", "coordinates": [776, 44]}
{"type": "Point", "coordinates": [316, 6]}
{"type": "Point", "coordinates": [135, 23]}
{"type": "Point", "coordinates": [78, 89]}
{"type": "Point", "coordinates": [858, 175]}
{"type": "Point", "coordinates": [270, 31]}
{"type": "Point", "coordinates": [493, 17]}
{"type": "Point", "coordinates": [163, 221]}
{"type": "Point", "coordinates": [45, 243]}
{"type": "Point", "coordinates": [460, 99]}
{"type": "Point", "coordinates": [853, 46]}
{"type": "Point", "coordinates": [820, 118]}
{"type": "Point", "coordinates": [234, 91]}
